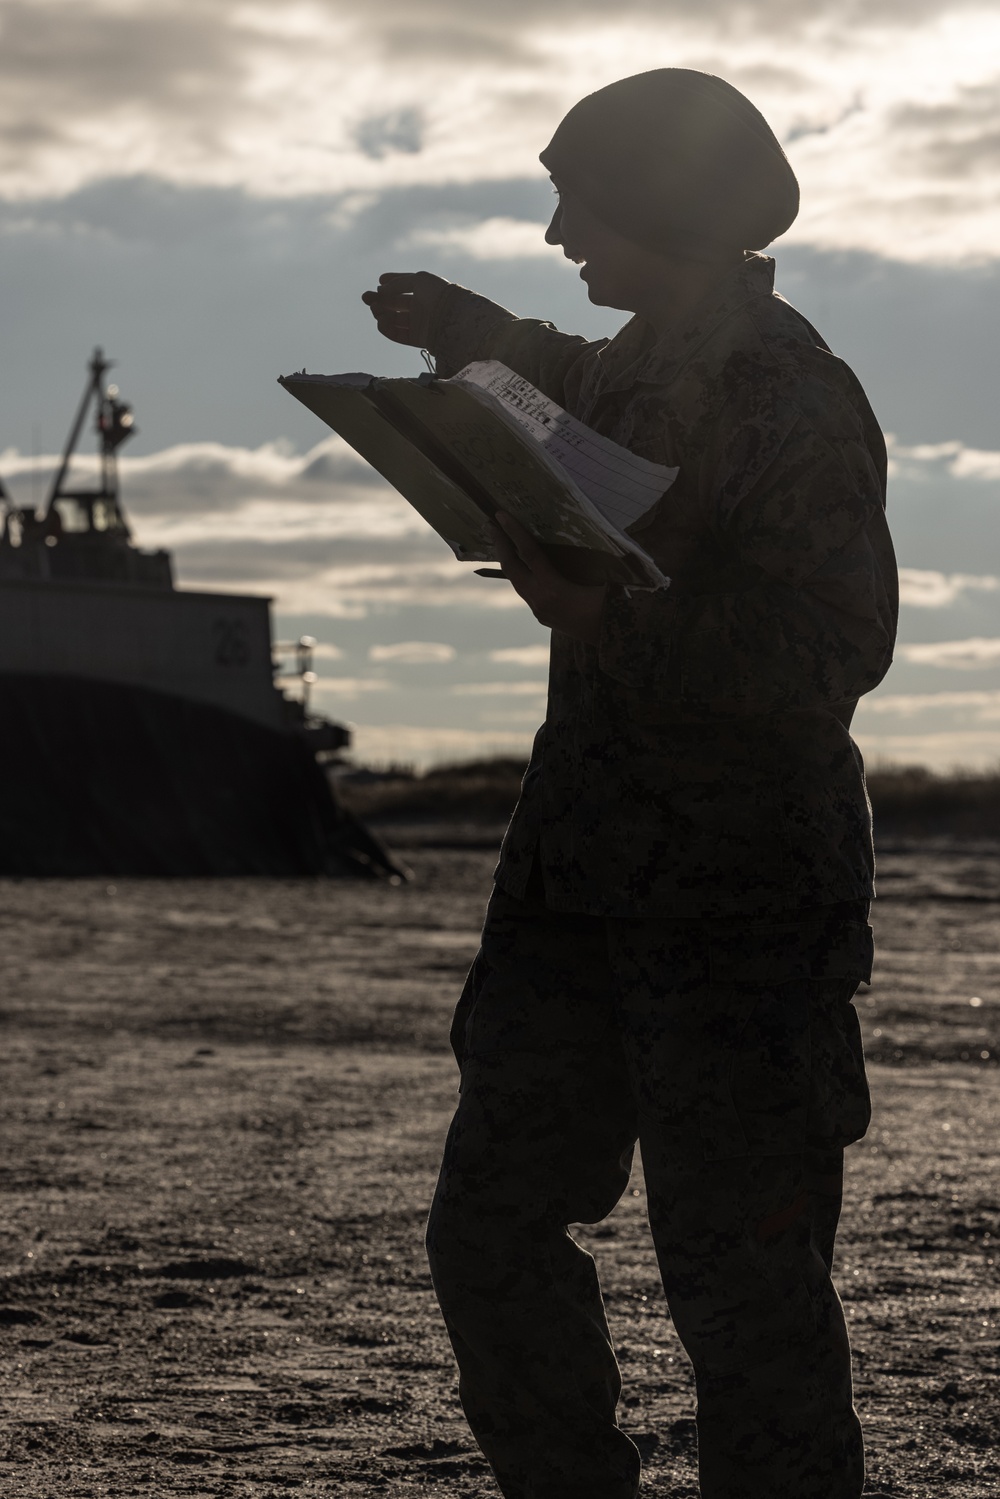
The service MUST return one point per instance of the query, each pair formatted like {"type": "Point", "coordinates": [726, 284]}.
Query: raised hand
{"type": "Point", "coordinates": [405, 304]}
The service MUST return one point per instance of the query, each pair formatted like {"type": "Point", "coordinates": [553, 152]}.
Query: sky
{"type": "Point", "coordinates": [205, 187]}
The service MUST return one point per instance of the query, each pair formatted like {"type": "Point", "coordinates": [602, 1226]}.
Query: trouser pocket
{"type": "Point", "coordinates": [789, 1073]}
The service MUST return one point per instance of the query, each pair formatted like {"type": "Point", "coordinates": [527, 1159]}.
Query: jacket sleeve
{"type": "Point", "coordinates": [469, 327]}
{"type": "Point", "coordinates": [811, 622]}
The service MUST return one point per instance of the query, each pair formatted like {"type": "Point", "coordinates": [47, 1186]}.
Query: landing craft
{"type": "Point", "coordinates": [143, 731]}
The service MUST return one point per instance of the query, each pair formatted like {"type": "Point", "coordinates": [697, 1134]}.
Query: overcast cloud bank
{"type": "Point", "coordinates": [326, 534]}
{"type": "Point", "coordinates": [322, 526]}
{"type": "Point", "coordinates": [887, 109]}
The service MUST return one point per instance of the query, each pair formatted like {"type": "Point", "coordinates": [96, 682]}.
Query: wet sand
{"type": "Point", "coordinates": [223, 1104]}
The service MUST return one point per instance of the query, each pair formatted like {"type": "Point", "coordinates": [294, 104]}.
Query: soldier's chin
{"type": "Point", "coordinates": [594, 290]}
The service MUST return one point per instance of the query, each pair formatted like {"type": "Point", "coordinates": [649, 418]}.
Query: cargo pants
{"type": "Point", "coordinates": [731, 1051]}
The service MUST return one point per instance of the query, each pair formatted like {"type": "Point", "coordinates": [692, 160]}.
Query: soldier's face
{"type": "Point", "coordinates": [617, 273]}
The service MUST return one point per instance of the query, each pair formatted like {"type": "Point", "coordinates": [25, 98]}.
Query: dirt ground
{"type": "Point", "coordinates": [223, 1104]}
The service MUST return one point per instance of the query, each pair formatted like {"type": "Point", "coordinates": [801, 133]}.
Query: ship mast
{"type": "Point", "coordinates": [115, 425]}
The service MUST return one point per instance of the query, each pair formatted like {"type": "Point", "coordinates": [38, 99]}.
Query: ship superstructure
{"type": "Point", "coordinates": [82, 533]}
{"type": "Point", "coordinates": [78, 597]}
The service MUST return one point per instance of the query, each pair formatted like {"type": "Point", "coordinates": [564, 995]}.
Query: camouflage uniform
{"type": "Point", "coordinates": [681, 921]}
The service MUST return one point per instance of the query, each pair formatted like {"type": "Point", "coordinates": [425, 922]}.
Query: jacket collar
{"type": "Point", "coordinates": [633, 356]}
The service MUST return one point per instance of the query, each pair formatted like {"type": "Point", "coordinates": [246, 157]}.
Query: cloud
{"type": "Point", "coordinates": [522, 655]}
{"type": "Point", "coordinates": [956, 655]}
{"type": "Point", "coordinates": [443, 19]}
{"type": "Point", "coordinates": [888, 111]}
{"type": "Point", "coordinates": [201, 478]}
{"type": "Point", "coordinates": [957, 137]}
{"type": "Point", "coordinates": [924, 461]}
{"type": "Point", "coordinates": [78, 80]}
{"type": "Point", "coordinates": [380, 135]}
{"type": "Point", "coordinates": [500, 689]}
{"type": "Point", "coordinates": [927, 589]}
{"type": "Point", "coordinates": [413, 652]}
{"type": "Point", "coordinates": [351, 687]}
{"type": "Point", "coordinates": [349, 590]}
{"type": "Point", "coordinates": [986, 705]}
{"type": "Point", "coordinates": [490, 239]}
{"type": "Point", "coordinates": [512, 713]}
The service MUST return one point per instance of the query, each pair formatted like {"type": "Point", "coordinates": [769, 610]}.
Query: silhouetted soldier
{"type": "Point", "coordinates": [680, 915]}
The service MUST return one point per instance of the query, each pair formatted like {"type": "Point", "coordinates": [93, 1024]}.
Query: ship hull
{"type": "Point", "coordinates": [208, 647]}
{"type": "Point", "coordinates": [114, 779]}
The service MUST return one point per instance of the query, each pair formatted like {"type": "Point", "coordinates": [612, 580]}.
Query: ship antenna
{"type": "Point", "coordinates": [114, 425]}
{"type": "Point", "coordinates": [97, 367]}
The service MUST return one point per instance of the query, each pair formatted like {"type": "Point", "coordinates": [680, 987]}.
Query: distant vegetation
{"type": "Point", "coordinates": [907, 800]}
{"type": "Point", "coordinates": [480, 791]}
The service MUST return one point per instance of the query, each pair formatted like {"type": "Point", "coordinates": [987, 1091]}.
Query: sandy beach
{"type": "Point", "coordinates": [223, 1103]}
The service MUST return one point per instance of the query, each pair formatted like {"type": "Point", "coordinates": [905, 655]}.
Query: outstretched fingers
{"type": "Point", "coordinates": [398, 281]}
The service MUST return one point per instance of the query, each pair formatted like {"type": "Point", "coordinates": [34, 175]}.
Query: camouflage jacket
{"type": "Point", "coordinates": [697, 761]}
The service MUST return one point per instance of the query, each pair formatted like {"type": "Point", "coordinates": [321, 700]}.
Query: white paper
{"type": "Point", "coordinates": [621, 485]}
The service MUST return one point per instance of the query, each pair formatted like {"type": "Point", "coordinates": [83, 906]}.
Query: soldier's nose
{"type": "Point", "coordinates": [553, 234]}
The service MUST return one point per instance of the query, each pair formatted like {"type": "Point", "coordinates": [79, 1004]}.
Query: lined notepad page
{"type": "Point", "coordinates": [621, 485]}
